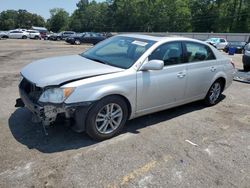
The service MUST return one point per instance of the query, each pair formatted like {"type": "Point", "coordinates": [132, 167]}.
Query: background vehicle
{"type": "Point", "coordinates": [33, 34]}
{"type": "Point", "coordinates": [52, 36]}
{"type": "Point", "coordinates": [246, 58]}
{"type": "Point", "coordinates": [18, 34]}
{"type": "Point", "coordinates": [88, 37]}
{"type": "Point", "coordinates": [122, 78]}
{"type": "Point", "coordinates": [239, 46]}
{"type": "Point", "coordinates": [64, 34]}
{"type": "Point", "coordinates": [3, 35]}
{"type": "Point", "coordinates": [219, 43]}
{"type": "Point", "coordinates": [42, 30]}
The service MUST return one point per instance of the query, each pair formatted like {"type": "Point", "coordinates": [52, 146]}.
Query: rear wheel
{"type": "Point", "coordinates": [106, 118]}
{"type": "Point", "coordinates": [246, 68]}
{"type": "Point", "coordinates": [214, 93]}
{"type": "Point", "coordinates": [36, 37]}
{"type": "Point", "coordinates": [24, 37]}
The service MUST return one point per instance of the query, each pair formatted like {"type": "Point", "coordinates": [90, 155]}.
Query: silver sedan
{"type": "Point", "coordinates": [122, 78]}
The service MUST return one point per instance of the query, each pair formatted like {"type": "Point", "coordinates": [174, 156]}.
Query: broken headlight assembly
{"type": "Point", "coordinates": [55, 95]}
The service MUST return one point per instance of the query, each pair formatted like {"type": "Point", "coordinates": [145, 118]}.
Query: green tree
{"type": "Point", "coordinates": [12, 19]}
{"type": "Point", "coordinates": [58, 20]}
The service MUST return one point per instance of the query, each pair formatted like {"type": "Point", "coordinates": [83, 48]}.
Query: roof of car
{"type": "Point", "coordinates": [157, 38]}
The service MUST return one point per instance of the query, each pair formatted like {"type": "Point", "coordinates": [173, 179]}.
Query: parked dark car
{"type": "Point", "coordinates": [88, 37]}
{"type": "Point", "coordinates": [246, 57]}
{"type": "Point", "coordinates": [239, 46]}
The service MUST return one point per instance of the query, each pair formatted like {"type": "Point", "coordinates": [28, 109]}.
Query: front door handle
{"type": "Point", "coordinates": [213, 69]}
{"type": "Point", "coordinates": [181, 74]}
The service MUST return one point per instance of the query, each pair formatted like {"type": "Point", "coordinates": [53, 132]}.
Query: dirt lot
{"type": "Point", "coordinates": [153, 151]}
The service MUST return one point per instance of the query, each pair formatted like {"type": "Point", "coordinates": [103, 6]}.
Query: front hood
{"type": "Point", "coordinates": [57, 70]}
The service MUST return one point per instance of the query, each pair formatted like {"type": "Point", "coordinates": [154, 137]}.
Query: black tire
{"type": "Point", "coordinates": [209, 100]}
{"type": "Point", "coordinates": [246, 68]}
{"type": "Point", "coordinates": [91, 125]}
{"type": "Point", "coordinates": [24, 37]}
{"type": "Point", "coordinates": [58, 38]}
{"type": "Point", "coordinates": [37, 37]}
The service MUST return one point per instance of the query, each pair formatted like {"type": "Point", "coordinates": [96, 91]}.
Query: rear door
{"type": "Point", "coordinates": [158, 89]}
{"type": "Point", "coordinates": [201, 69]}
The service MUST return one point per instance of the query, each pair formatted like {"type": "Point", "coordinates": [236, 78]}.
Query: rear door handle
{"type": "Point", "coordinates": [181, 74]}
{"type": "Point", "coordinates": [213, 69]}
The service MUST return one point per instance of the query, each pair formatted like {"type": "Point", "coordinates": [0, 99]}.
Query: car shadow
{"type": "Point", "coordinates": [61, 137]}
{"type": "Point", "coordinates": [136, 124]}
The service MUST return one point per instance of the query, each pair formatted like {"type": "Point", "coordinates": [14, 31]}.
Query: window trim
{"type": "Point", "coordinates": [185, 51]}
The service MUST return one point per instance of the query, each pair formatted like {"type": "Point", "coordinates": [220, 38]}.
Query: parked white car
{"type": "Point", "coordinates": [121, 78]}
{"type": "Point", "coordinates": [18, 34]}
{"type": "Point", "coordinates": [219, 43]}
{"type": "Point", "coordinates": [33, 34]}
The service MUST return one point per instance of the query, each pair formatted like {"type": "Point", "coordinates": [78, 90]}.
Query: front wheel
{"type": "Point", "coordinates": [107, 118]}
{"type": "Point", "coordinates": [214, 93]}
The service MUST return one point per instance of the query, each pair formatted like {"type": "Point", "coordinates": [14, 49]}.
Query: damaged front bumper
{"type": "Point", "coordinates": [47, 113]}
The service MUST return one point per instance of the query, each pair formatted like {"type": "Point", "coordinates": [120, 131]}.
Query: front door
{"type": "Point", "coordinates": [159, 89]}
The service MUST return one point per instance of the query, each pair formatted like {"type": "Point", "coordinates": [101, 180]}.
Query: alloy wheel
{"type": "Point", "coordinates": [109, 118]}
{"type": "Point", "coordinates": [214, 92]}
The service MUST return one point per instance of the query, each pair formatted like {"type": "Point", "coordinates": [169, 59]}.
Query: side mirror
{"type": "Point", "coordinates": [152, 65]}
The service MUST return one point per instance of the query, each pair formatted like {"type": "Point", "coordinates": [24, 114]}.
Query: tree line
{"type": "Point", "coordinates": [140, 16]}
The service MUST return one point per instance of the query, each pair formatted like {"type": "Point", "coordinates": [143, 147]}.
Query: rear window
{"type": "Point", "coordinates": [198, 52]}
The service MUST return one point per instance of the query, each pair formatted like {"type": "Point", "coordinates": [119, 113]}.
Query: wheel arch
{"type": "Point", "coordinates": [222, 77]}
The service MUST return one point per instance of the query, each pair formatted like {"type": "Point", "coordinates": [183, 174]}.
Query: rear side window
{"type": "Point", "coordinates": [170, 53]}
{"type": "Point", "coordinates": [198, 52]}
{"type": "Point", "coordinates": [222, 40]}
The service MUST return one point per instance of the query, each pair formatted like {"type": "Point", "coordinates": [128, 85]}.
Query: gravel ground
{"type": "Point", "coordinates": [189, 146]}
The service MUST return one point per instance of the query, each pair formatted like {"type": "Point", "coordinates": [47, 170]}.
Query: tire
{"type": "Point", "coordinates": [246, 68]}
{"type": "Point", "coordinates": [36, 37]}
{"type": "Point", "coordinates": [214, 93]}
{"type": "Point", "coordinates": [24, 37]}
{"type": "Point", "coordinates": [100, 124]}
{"type": "Point", "coordinates": [58, 38]}
{"type": "Point", "coordinates": [77, 42]}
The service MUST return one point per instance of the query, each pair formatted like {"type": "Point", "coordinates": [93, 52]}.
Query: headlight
{"type": "Point", "coordinates": [56, 95]}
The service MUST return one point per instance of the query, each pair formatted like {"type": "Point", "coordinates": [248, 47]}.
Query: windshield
{"type": "Point", "coordinates": [118, 51]}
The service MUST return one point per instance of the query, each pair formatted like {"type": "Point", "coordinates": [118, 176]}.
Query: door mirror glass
{"type": "Point", "coordinates": [152, 65]}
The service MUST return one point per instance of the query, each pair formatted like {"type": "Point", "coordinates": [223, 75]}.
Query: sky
{"type": "Point", "coordinates": [40, 7]}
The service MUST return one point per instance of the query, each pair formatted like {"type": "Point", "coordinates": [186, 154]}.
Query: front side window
{"type": "Point", "coordinates": [198, 52]}
{"type": "Point", "coordinates": [118, 51]}
{"type": "Point", "coordinates": [170, 53]}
